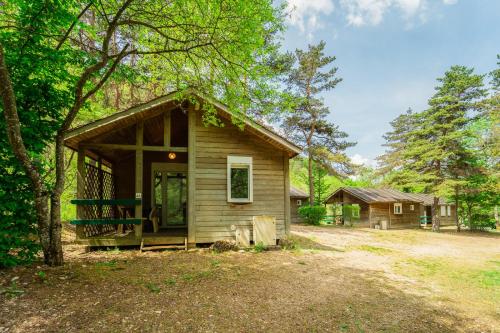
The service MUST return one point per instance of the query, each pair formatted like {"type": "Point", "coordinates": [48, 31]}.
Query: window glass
{"type": "Point", "coordinates": [398, 208]}
{"type": "Point", "coordinates": [443, 210]}
{"type": "Point", "coordinates": [449, 210]}
{"type": "Point", "coordinates": [239, 182]}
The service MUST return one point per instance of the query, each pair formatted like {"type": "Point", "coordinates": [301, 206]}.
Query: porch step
{"type": "Point", "coordinates": [163, 246]}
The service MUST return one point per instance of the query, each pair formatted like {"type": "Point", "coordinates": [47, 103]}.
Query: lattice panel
{"type": "Point", "coordinates": [99, 184]}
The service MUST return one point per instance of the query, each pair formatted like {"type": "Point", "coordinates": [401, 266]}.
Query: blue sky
{"type": "Point", "coordinates": [389, 54]}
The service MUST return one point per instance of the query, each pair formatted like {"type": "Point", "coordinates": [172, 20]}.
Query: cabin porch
{"type": "Point", "coordinates": [132, 183]}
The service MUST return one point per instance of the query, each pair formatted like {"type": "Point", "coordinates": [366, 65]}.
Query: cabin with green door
{"type": "Point", "coordinates": [157, 175]}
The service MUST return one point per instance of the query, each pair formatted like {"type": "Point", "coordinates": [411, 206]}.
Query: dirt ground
{"type": "Point", "coordinates": [334, 280]}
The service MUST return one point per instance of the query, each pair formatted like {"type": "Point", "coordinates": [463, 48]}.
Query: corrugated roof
{"type": "Point", "coordinates": [373, 195]}
{"type": "Point", "coordinates": [297, 193]}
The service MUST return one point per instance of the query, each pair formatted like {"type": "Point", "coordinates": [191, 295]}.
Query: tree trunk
{"type": "Point", "coordinates": [13, 128]}
{"type": "Point", "coordinates": [311, 180]}
{"type": "Point", "coordinates": [497, 220]}
{"type": "Point", "coordinates": [435, 214]}
{"type": "Point", "coordinates": [457, 222]}
{"type": "Point", "coordinates": [56, 251]}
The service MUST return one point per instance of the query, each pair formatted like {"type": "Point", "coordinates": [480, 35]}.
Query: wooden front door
{"type": "Point", "coordinates": [169, 187]}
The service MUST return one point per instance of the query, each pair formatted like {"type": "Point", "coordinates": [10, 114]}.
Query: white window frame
{"type": "Point", "coordinates": [400, 206]}
{"type": "Point", "coordinates": [442, 208]}
{"type": "Point", "coordinates": [448, 210]}
{"type": "Point", "coordinates": [299, 202]}
{"type": "Point", "coordinates": [412, 207]}
{"type": "Point", "coordinates": [240, 161]}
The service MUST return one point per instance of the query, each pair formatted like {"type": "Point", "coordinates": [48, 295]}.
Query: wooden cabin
{"type": "Point", "coordinates": [391, 209]}
{"type": "Point", "coordinates": [156, 174]}
{"type": "Point", "coordinates": [297, 199]}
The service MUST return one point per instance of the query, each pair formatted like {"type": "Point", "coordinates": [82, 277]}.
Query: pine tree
{"type": "Point", "coordinates": [307, 123]}
{"type": "Point", "coordinates": [397, 142]}
{"type": "Point", "coordinates": [436, 146]}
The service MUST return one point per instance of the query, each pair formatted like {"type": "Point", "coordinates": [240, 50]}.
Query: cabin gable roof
{"type": "Point", "coordinates": [150, 109]}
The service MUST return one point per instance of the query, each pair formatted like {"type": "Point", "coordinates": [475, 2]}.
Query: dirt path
{"type": "Point", "coordinates": [342, 280]}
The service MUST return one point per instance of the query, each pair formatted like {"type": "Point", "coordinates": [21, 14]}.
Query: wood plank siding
{"type": "Point", "coordinates": [214, 215]}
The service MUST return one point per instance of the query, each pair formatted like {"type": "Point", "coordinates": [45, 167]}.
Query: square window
{"type": "Point", "coordinates": [443, 210]}
{"type": "Point", "coordinates": [239, 179]}
{"type": "Point", "coordinates": [412, 207]}
{"type": "Point", "coordinates": [299, 202]}
{"type": "Point", "coordinates": [398, 208]}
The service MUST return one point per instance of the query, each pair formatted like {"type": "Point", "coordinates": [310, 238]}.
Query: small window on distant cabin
{"type": "Point", "coordinates": [412, 207]}
{"type": "Point", "coordinates": [443, 210]}
{"type": "Point", "coordinates": [398, 208]}
{"type": "Point", "coordinates": [448, 210]}
{"type": "Point", "coordinates": [299, 202]}
{"type": "Point", "coordinates": [239, 179]}
{"type": "Point", "coordinates": [355, 211]}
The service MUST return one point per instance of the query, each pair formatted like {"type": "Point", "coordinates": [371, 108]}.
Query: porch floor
{"type": "Point", "coordinates": [163, 237]}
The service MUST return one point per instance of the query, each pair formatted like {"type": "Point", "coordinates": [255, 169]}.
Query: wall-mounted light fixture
{"type": "Point", "coordinates": [172, 156]}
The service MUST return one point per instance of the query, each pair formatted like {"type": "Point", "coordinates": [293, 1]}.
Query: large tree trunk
{"type": "Point", "coordinates": [56, 252]}
{"type": "Point", "coordinates": [13, 128]}
{"type": "Point", "coordinates": [435, 215]}
{"type": "Point", "coordinates": [311, 179]}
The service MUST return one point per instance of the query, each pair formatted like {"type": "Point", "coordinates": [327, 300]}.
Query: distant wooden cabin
{"type": "Point", "coordinates": [297, 199]}
{"type": "Point", "coordinates": [391, 208]}
{"type": "Point", "coordinates": [155, 174]}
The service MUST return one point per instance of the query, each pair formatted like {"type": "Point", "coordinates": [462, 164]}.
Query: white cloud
{"type": "Point", "coordinates": [361, 160]}
{"type": "Point", "coordinates": [305, 14]}
{"type": "Point", "coordinates": [450, 2]}
{"type": "Point", "coordinates": [371, 12]}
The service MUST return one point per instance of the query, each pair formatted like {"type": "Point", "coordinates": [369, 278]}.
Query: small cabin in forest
{"type": "Point", "coordinates": [156, 174]}
{"type": "Point", "coordinates": [297, 199]}
{"type": "Point", "coordinates": [389, 208]}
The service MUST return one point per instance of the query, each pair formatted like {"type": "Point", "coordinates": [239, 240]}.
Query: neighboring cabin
{"type": "Point", "coordinates": [174, 179]}
{"type": "Point", "coordinates": [297, 199]}
{"type": "Point", "coordinates": [390, 207]}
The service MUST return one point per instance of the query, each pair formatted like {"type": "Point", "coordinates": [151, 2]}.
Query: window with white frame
{"type": "Point", "coordinates": [448, 210]}
{"type": "Point", "coordinates": [412, 207]}
{"type": "Point", "coordinates": [239, 179]}
{"type": "Point", "coordinates": [443, 210]}
{"type": "Point", "coordinates": [299, 202]}
{"type": "Point", "coordinates": [398, 208]}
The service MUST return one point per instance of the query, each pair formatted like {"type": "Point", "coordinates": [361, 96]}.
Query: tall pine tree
{"type": "Point", "coordinates": [307, 123]}
{"type": "Point", "coordinates": [436, 145]}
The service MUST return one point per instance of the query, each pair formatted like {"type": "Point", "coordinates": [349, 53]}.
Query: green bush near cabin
{"type": "Point", "coordinates": [312, 214]}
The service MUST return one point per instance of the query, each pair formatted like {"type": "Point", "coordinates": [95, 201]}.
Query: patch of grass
{"type": "Point", "coordinates": [153, 287]}
{"type": "Point", "coordinates": [488, 278]}
{"type": "Point", "coordinates": [41, 276]}
{"type": "Point", "coordinates": [215, 263]}
{"type": "Point", "coordinates": [187, 277]}
{"type": "Point", "coordinates": [12, 291]}
{"type": "Point", "coordinates": [170, 281]}
{"type": "Point", "coordinates": [375, 249]}
{"type": "Point", "coordinates": [111, 263]}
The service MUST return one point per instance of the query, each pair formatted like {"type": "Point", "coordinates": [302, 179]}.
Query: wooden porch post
{"type": "Point", "coordinates": [101, 185]}
{"type": "Point", "coordinates": [287, 192]}
{"type": "Point", "coordinates": [191, 178]}
{"type": "Point", "coordinates": [80, 190]}
{"type": "Point", "coordinates": [138, 176]}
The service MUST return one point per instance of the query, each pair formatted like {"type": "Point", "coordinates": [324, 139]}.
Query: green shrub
{"type": "Point", "coordinates": [312, 214]}
{"type": "Point", "coordinates": [259, 247]}
{"type": "Point", "coordinates": [481, 222]}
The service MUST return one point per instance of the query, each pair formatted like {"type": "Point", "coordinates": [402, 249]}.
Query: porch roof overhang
{"type": "Point", "coordinates": [75, 136]}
